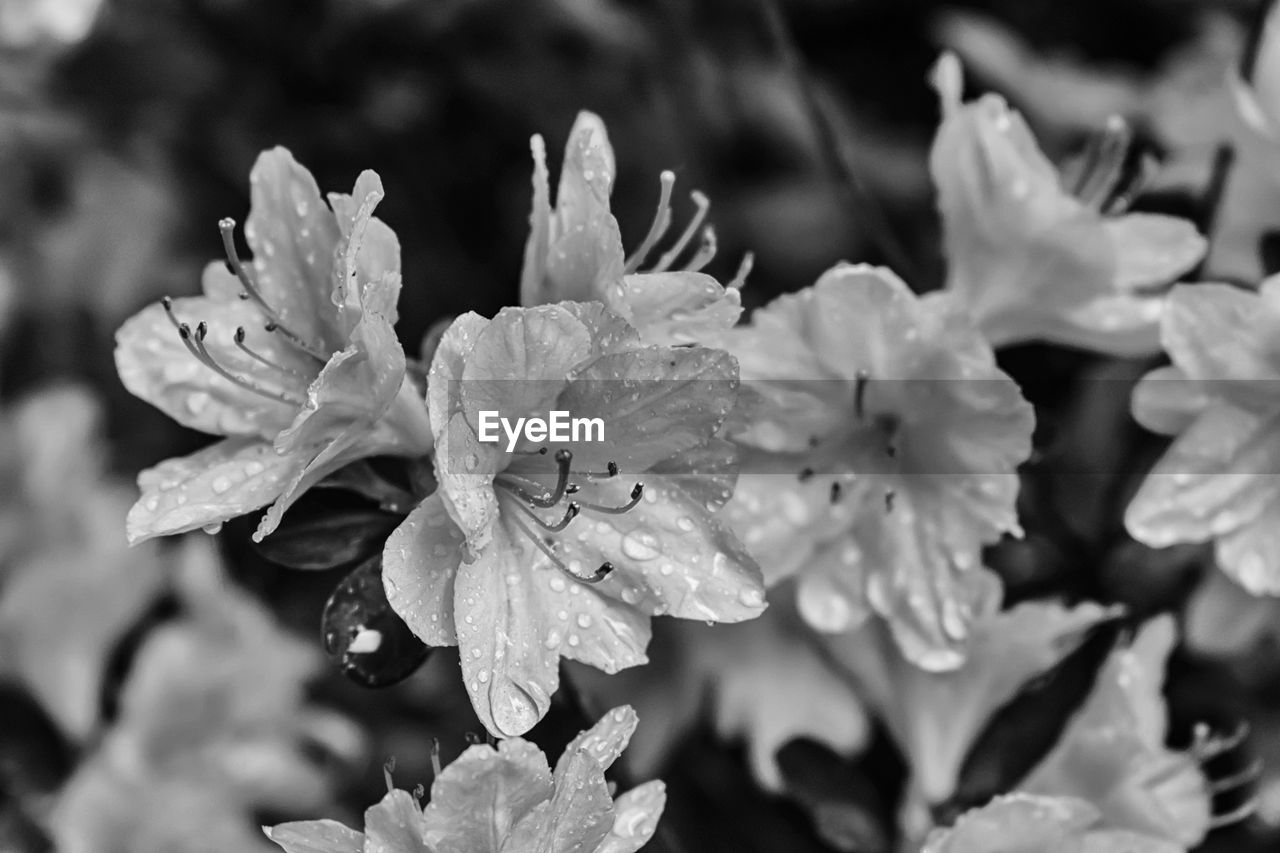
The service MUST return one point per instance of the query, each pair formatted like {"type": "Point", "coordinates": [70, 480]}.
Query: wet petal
{"type": "Point", "coordinates": [316, 836]}
{"type": "Point", "coordinates": [293, 235]}
{"type": "Point", "coordinates": [603, 742]}
{"type": "Point", "coordinates": [221, 482]}
{"type": "Point", "coordinates": [1220, 332]}
{"type": "Point", "coordinates": [509, 672]}
{"type": "Point", "coordinates": [635, 818]}
{"type": "Point", "coordinates": [419, 565]}
{"type": "Point", "coordinates": [1224, 620]}
{"type": "Point", "coordinates": [154, 364]}
{"type": "Point", "coordinates": [1250, 554]}
{"type": "Point", "coordinates": [1167, 402]}
{"type": "Point", "coordinates": [368, 277]}
{"type": "Point", "coordinates": [581, 808]}
{"type": "Point", "coordinates": [396, 824]}
{"type": "Point", "coordinates": [676, 308]}
{"type": "Point", "coordinates": [590, 626]}
{"type": "Point", "coordinates": [1215, 479]}
{"type": "Point", "coordinates": [478, 798]}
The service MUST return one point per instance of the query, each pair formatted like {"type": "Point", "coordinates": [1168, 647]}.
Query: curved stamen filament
{"type": "Point", "coordinates": [706, 251]}
{"type": "Point", "coordinates": [1244, 777]}
{"type": "Point", "coordinates": [1243, 812]}
{"type": "Point", "coordinates": [860, 394]}
{"type": "Point", "coordinates": [668, 258]}
{"type": "Point", "coordinates": [597, 475]}
{"type": "Point", "coordinates": [1102, 172]}
{"type": "Point", "coordinates": [661, 221]}
{"type": "Point", "coordinates": [516, 484]}
{"type": "Point", "coordinates": [1207, 746]}
{"type": "Point", "coordinates": [571, 512]}
{"type": "Point", "coordinates": [542, 546]}
{"type": "Point", "coordinates": [744, 270]}
{"type": "Point", "coordinates": [258, 357]}
{"type": "Point", "coordinates": [226, 227]}
{"type": "Point", "coordinates": [194, 342]}
{"type": "Point", "coordinates": [637, 492]}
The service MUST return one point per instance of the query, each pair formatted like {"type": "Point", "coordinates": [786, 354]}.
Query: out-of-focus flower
{"type": "Point", "coordinates": [937, 716]}
{"type": "Point", "coordinates": [497, 561]}
{"type": "Point", "coordinates": [575, 249]}
{"type": "Point", "coordinates": [213, 724]}
{"type": "Point", "coordinates": [1033, 260]}
{"type": "Point", "coordinates": [505, 799]}
{"type": "Point", "coordinates": [302, 376]}
{"type": "Point", "coordinates": [1221, 398]}
{"type": "Point", "coordinates": [1112, 753]}
{"type": "Point", "coordinates": [1224, 620]}
{"type": "Point", "coordinates": [63, 551]}
{"type": "Point", "coordinates": [26, 23]}
{"type": "Point", "coordinates": [1021, 823]}
{"type": "Point", "coordinates": [747, 677]}
{"type": "Point", "coordinates": [880, 458]}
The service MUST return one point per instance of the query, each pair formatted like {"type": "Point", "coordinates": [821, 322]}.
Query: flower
{"type": "Point", "coordinates": [1112, 753]}
{"type": "Point", "coordinates": [505, 798]}
{"type": "Point", "coordinates": [574, 251]}
{"type": "Point", "coordinates": [213, 724]}
{"type": "Point", "coordinates": [881, 456]}
{"type": "Point", "coordinates": [498, 562]}
{"type": "Point", "coordinates": [1020, 823]}
{"type": "Point", "coordinates": [937, 716]}
{"type": "Point", "coordinates": [303, 374]}
{"type": "Point", "coordinates": [1222, 401]}
{"type": "Point", "coordinates": [1034, 261]}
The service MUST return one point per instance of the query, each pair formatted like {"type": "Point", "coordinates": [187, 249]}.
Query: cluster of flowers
{"type": "Point", "coordinates": [853, 442]}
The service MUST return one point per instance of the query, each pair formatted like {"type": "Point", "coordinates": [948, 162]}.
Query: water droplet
{"type": "Point", "coordinates": [253, 469]}
{"type": "Point", "coordinates": [220, 485]}
{"type": "Point", "coordinates": [573, 640]}
{"type": "Point", "coordinates": [483, 676]}
{"type": "Point", "coordinates": [553, 640]}
{"type": "Point", "coordinates": [640, 544]}
{"type": "Point", "coordinates": [666, 569]}
{"type": "Point", "coordinates": [584, 620]}
{"type": "Point", "coordinates": [685, 523]}
{"type": "Point", "coordinates": [751, 597]}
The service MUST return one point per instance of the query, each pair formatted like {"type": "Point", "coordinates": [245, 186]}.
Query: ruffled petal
{"type": "Point", "coordinates": [1250, 554]}
{"type": "Point", "coordinates": [1214, 480]}
{"type": "Point", "coordinates": [316, 836]}
{"type": "Point", "coordinates": [677, 308]}
{"type": "Point", "coordinates": [213, 485]}
{"type": "Point", "coordinates": [590, 626]}
{"type": "Point", "coordinates": [1217, 332]}
{"type": "Point", "coordinates": [635, 818]}
{"type": "Point", "coordinates": [369, 253]}
{"type": "Point", "coordinates": [419, 566]}
{"type": "Point", "coordinates": [293, 235]}
{"type": "Point", "coordinates": [508, 669]}
{"type": "Point", "coordinates": [603, 742]}
{"type": "Point", "coordinates": [478, 798]}
{"type": "Point", "coordinates": [581, 808]}
{"type": "Point", "coordinates": [396, 824]}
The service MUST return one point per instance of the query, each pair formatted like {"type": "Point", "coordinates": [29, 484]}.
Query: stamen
{"type": "Point", "coordinates": [860, 394]}
{"type": "Point", "coordinates": [1244, 777]}
{"type": "Point", "coordinates": [227, 227]}
{"type": "Point", "coordinates": [744, 270]}
{"type": "Point", "coordinates": [668, 257]}
{"type": "Point", "coordinates": [435, 757]}
{"type": "Point", "coordinates": [516, 484]}
{"type": "Point", "coordinates": [1146, 169]}
{"type": "Point", "coordinates": [612, 472]}
{"type": "Point", "coordinates": [661, 221]}
{"type": "Point", "coordinates": [541, 451]}
{"type": "Point", "coordinates": [1207, 746]}
{"type": "Point", "coordinates": [706, 252]}
{"type": "Point", "coordinates": [258, 357]}
{"type": "Point", "coordinates": [1100, 177]}
{"type": "Point", "coordinates": [1243, 812]}
{"type": "Point", "coordinates": [637, 491]}
{"type": "Point", "coordinates": [805, 474]}
{"type": "Point", "coordinates": [555, 560]}
{"type": "Point", "coordinates": [837, 492]}
{"type": "Point", "coordinates": [570, 514]}
{"type": "Point", "coordinates": [195, 345]}
{"type": "Point", "coordinates": [571, 489]}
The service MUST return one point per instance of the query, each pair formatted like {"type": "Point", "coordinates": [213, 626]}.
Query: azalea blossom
{"type": "Point", "coordinates": [1221, 399]}
{"type": "Point", "coordinates": [880, 456]}
{"type": "Point", "coordinates": [1034, 259]}
{"type": "Point", "coordinates": [522, 557]}
{"type": "Point", "coordinates": [294, 358]}
{"type": "Point", "coordinates": [575, 252]}
{"type": "Point", "coordinates": [504, 799]}
{"type": "Point", "coordinates": [1112, 752]}
{"type": "Point", "coordinates": [936, 717]}
{"type": "Point", "coordinates": [1021, 823]}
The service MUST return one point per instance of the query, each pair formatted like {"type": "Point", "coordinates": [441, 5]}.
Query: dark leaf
{"type": "Point", "coordinates": [363, 635]}
{"type": "Point", "coordinates": [326, 539]}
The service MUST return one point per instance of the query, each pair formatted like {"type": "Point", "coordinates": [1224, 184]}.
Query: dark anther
{"type": "Point", "coordinates": [836, 492]}
{"type": "Point", "coordinates": [613, 468]}
{"type": "Point", "coordinates": [571, 489]}
{"type": "Point", "coordinates": [806, 474]}
{"type": "Point", "coordinates": [888, 500]}
{"type": "Point", "coordinates": [239, 334]}
{"type": "Point", "coordinates": [860, 393]}
{"type": "Point", "coordinates": [603, 572]}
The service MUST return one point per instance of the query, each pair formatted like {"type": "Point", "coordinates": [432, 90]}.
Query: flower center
{"type": "Point", "coordinates": [528, 496]}
{"type": "Point", "coordinates": [289, 386]}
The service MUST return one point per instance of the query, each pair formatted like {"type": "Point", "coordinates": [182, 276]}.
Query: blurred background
{"type": "Point", "coordinates": [134, 683]}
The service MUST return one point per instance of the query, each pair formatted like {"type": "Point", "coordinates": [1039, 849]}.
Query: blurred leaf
{"type": "Point", "coordinates": [328, 540]}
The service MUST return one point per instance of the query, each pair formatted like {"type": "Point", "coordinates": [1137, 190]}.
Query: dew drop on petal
{"type": "Point", "coordinates": [640, 544]}
{"type": "Point", "coordinates": [685, 523]}
{"type": "Point", "coordinates": [220, 485]}
{"type": "Point", "coordinates": [584, 620]}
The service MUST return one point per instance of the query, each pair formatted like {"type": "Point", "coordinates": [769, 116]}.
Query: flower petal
{"type": "Point", "coordinates": [591, 627]}
{"type": "Point", "coordinates": [676, 308]}
{"type": "Point", "coordinates": [603, 742]}
{"type": "Point", "coordinates": [1165, 401]}
{"type": "Point", "coordinates": [1153, 250]}
{"type": "Point", "coordinates": [369, 252]}
{"type": "Point", "coordinates": [1215, 332]}
{"type": "Point", "coordinates": [396, 824]}
{"type": "Point", "coordinates": [635, 818]}
{"type": "Point", "coordinates": [478, 798]}
{"type": "Point", "coordinates": [316, 836]}
{"type": "Point", "coordinates": [670, 556]}
{"type": "Point", "coordinates": [216, 484]}
{"type": "Point", "coordinates": [293, 235]}
{"type": "Point", "coordinates": [1215, 479]}
{"type": "Point", "coordinates": [154, 365]}
{"type": "Point", "coordinates": [419, 565]}
{"type": "Point", "coordinates": [509, 672]}
{"type": "Point", "coordinates": [581, 807]}
{"type": "Point", "coordinates": [1250, 554]}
